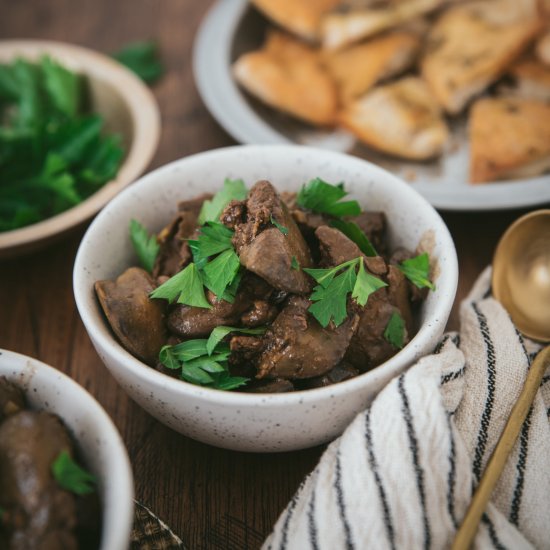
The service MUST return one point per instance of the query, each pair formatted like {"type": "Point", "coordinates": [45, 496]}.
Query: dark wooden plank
{"type": "Point", "coordinates": [212, 498]}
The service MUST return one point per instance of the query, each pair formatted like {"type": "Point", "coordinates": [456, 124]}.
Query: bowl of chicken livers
{"type": "Point", "coordinates": [258, 297]}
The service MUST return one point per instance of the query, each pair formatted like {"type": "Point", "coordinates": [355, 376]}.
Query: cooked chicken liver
{"type": "Point", "coordinates": [136, 320]}
{"type": "Point", "coordinates": [297, 346]}
{"type": "Point", "coordinates": [174, 253]}
{"type": "Point", "coordinates": [264, 249]}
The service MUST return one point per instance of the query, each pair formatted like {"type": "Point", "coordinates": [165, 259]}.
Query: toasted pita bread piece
{"type": "Point", "coordinates": [531, 80]}
{"type": "Point", "coordinates": [401, 118]}
{"type": "Point", "coordinates": [301, 17]}
{"type": "Point", "coordinates": [542, 49]}
{"type": "Point", "coordinates": [342, 29]}
{"type": "Point", "coordinates": [509, 138]}
{"type": "Point", "coordinates": [359, 68]}
{"type": "Point", "coordinates": [288, 75]}
{"type": "Point", "coordinates": [470, 46]}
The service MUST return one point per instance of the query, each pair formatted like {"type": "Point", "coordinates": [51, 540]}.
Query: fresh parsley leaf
{"type": "Point", "coordinates": [186, 287]}
{"type": "Point", "coordinates": [143, 59]}
{"type": "Point", "coordinates": [214, 237]}
{"type": "Point", "coordinates": [196, 375]}
{"type": "Point", "coordinates": [71, 477]}
{"type": "Point", "coordinates": [231, 291]}
{"type": "Point", "coordinates": [294, 264]}
{"type": "Point", "coordinates": [221, 272]}
{"type": "Point", "coordinates": [395, 330]}
{"type": "Point", "coordinates": [353, 232]}
{"type": "Point", "coordinates": [365, 285]}
{"type": "Point", "coordinates": [62, 86]}
{"type": "Point", "coordinates": [280, 227]}
{"type": "Point", "coordinates": [319, 196]}
{"type": "Point", "coordinates": [191, 349]}
{"type": "Point", "coordinates": [330, 295]}
{"type": "Point", "coordinates": [168, 358]}
{"type": "Point", "coordinates": [211, 209]}
{"type": "Point", "coordinates": [417, 270]}
{"type": "Point", "coordinates": [330, 302]}
{"type": "Point", "coordinates": [145, 245]}
{"type": "Point", "coordinates": [205, 361]}
{"type": "Point", "coordinates": [219, 333]}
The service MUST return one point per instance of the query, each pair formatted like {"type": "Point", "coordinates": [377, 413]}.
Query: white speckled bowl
{"type": "Point", "coordinates": [257, 422]}
{"type": "Point", "coordinates": [48, 389]}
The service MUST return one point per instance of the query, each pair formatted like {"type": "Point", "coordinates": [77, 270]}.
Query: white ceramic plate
{"type": "Point", "coordinates": [231, 28]}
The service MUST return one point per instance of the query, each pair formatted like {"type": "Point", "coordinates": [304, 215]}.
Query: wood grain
{"type": "Point", "coordinates": [210, 497]}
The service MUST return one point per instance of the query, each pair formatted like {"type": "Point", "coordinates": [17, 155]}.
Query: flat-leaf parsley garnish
{"type": "Point", "coordinates": [145, 245]}
{"type": "Point", "coordinates": [205, 361]}
{"type": "Point", "coordinates": [417, 270]}
{"type": "Point", "coordinates": [319, 196]}
{"type": "Point", "coordinates": [216, 266]}
{"type": "Point", "coordinates": [211, 209]}
{"type": "Point", "coordinates": [395, 330]}
{"type": "Point", "coordinates": [71, 477]}
{"type": "Point", "coordinates": [280, 227]}
{"type": "Point", "coordinates": [334, 285]}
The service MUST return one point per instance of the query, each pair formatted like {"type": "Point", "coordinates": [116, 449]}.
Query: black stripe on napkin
{"type": "Point", "coordinates": [451, 476]}
{"type": "Point", "coordinates": [413, 446]}
{"type": "Point", "coordinates": [312, 527]}
{"type": "Point", "coordinates": [290, 510]}
{"type": "Point", "coordinates": [450, 376]}
{"type": "Point", "coordinates": [492, 533]}
{"type": "Point", "coordinates": [341, 502]}
{"type": "Point", "coordinates": [491, 375]}
{"type": "Point", "coordinates": [520, 467]}
{"type": "Point", "coordinates": [373, 463]}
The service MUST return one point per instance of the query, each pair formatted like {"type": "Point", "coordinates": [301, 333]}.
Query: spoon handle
{"type": "Point", "coordinates": [465, 535]}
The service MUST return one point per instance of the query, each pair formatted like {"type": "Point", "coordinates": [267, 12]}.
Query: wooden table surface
{"type": "Point", "coordinates": [211, 498]}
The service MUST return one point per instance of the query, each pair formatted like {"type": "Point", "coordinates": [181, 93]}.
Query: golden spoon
{"type": "Point", "coordinates": [521, 283]}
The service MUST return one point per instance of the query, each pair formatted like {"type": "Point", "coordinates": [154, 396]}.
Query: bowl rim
{"type": "Point", "coordinates": [162, 381]}
{"type": "Point", "coordinates": [146, 122]}
{"type": "Point", "coordinates": [117, 533]}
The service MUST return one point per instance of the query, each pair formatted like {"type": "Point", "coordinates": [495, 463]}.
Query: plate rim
{"type": "Point", "coordinates": [226, 103]}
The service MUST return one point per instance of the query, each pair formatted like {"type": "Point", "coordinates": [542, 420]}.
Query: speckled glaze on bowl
{"type": "Point", "coordinates": [128, 108]}
{"type": "Point", "coordinates": [48, 389]}
{"type": "Point", "coordinates": [258, 422]}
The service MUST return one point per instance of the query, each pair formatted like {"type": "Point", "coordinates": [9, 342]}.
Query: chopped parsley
{"type": "Point", "coordinates": [216, 266]}
{"type": "Point", "coordinates": [53, 151]}
{"type": "Point", "coordinates": [211, 209]}
{"type": "Point", "coordinates": [334, 285]}
{"type": "Point", "coordinates": [319, 196]}
{"type": "Point", "coordinates": [417, 270]}
{"type": "Point", "coordinates": [143, 59]}
{"type": "Point", "coordinates": [145, 245]}
{"type": "Point", "coordinates": [395, 330]}
{"type": "Point", "coordinates": [204, 362]}
{"type": "Point", "coordinates": [280, 227]}
{"type": "Point", "coordinates": [71, 477]}
{"type": "Point", "coordinates": [294, 264]}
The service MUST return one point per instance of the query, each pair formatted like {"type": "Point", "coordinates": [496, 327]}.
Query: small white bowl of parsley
{"type": "Point", "coordinates": [60, 477]}
{"type": "Point", "coordinates": [192, 379]}
{"type": "Point", "coordinates": [75, 128]}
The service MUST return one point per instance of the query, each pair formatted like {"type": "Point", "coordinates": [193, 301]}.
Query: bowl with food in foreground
{"type": "Point", "coordinates": [91, 127]}
{"type": "Point", "coordinates": [298, 322]}
{"type": "Point", "coordinates": [59, 452]}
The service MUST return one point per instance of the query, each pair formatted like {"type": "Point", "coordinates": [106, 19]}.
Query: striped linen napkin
{"type": "Point", "coordinates": [403, 473]}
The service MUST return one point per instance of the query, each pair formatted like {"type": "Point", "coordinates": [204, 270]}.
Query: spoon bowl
{"type": "Point", "coordinates": [521, 274]}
